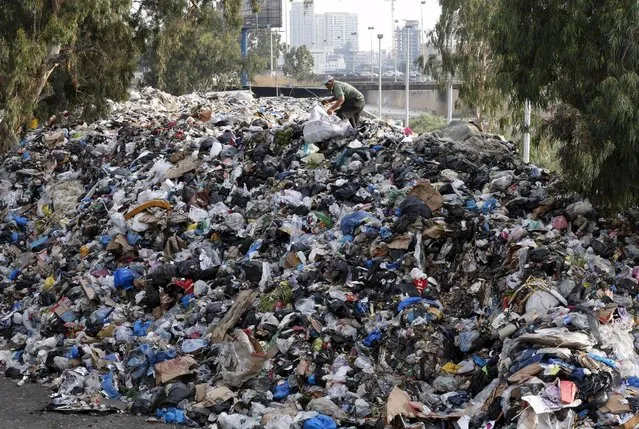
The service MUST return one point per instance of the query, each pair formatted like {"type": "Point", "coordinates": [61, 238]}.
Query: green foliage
{"type": "Point", "coordinates": [427, 123]}
{"type": "Point", "coordinates": [298, 62]}
{"type": "Point", "coordinates": [259, 55]}
{"type": "Point", "coordinates": [70, 54]}
{"type": "Point", "coordinates": [581, 58]}
{"type": "Point", "coordinates": [462, 40]}
{"type": "Point", "coordinates": [282, 292]}
{"type": "Point", "coordinates": [197, 51]}
{"type": "Point", "coordinates": [44, 48]}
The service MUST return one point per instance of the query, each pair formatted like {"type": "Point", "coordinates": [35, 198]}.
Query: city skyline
{"type": "Point", "coordinates": [377, 14]}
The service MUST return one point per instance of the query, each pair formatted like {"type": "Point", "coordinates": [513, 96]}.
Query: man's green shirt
{"type": "Point", "coordinates": [348, 91]}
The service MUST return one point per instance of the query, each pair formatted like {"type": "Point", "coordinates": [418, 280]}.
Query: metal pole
{"type": "Point", "coordinates": [379, 93]}
{"type": "Point", "coordinates": [244, 46]}
{"type": "Point", "coordinates": [421, 31]}
{"type": "Point", "coordinates": [395, 71]}
{"type": "Point", "coordinates": [393, 39]}
{"type": "Point", "coordinates": [372, 58]}
{"type": "Point", "coordinates": [407, 29]}
{"type": "Point", "coordinates": [353, 48]}
{"type": "Point", "coordinates": [449, 114]}
{"type": "Point", "coordinates": [527, 132]}
{"type": "Point", "coordinates": [353, 58]}
{"type": "Point", "coordinates": [271, 34]}
{"type": "Point", "coordinates": [287, 22]}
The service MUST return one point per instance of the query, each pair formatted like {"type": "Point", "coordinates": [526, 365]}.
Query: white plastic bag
{"type": "Point", "coordinates": [321, 127]}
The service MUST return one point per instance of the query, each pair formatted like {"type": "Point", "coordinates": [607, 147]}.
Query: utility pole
{"type": "Point", "coordinates": [449, 112]}
{"type": "Point", "coordinates": [407, 29]}
{"type": "Point", "coordinates": [421, 32]}
{"type": "Point", "coordinates": [270, 33]}
{"type": "Point", "coordinates": [244, 49]}
{"type": "Point", "coordinates": [395, 71]}
{"type": "Point", "coordinates": [353, 48]}
{"type": "Point", "coordinates": [379, 94]}
{"type": "Point", "coordinates": [393, 39]}
{"type": "Point", "coordinates": [372, 69]}
{"type": "Point", "coordinates": [527, 131]}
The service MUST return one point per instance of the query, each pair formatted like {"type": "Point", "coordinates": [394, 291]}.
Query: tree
{"type": "Point", "coordinates": [462, 40]}
{"type": "Point", "coordinates": [38, 38]}
{"type": "Point", "coordinates": [67, 54]}
{"type": "Point", "coordinates": [196, 51]}
{"type": "Point", "coordinates": [582, 58]}
{"type": "Point", "coordinates": [298, 62]}
{"type": "Point", "coordinates": [259, 56]}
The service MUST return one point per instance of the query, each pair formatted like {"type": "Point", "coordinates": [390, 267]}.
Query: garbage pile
{"type": "Point", "coordinates": [197, 260]}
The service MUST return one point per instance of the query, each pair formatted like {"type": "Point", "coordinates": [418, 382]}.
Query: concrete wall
{"type": "Point", "coordinates": [431, 101]}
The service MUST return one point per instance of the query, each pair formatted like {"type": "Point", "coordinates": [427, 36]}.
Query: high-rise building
{"type": "Point", "coordinates": [407, 38]}
{"type": "Point", "coordinates": [302, 24]}
{"type": "Point", "coordinates": [335, 31]}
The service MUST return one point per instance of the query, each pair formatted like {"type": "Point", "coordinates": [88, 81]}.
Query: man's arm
{"type": "Point", "coordinates": [328, 100]}
{"type": "Point", "coordinates": [336, 105]}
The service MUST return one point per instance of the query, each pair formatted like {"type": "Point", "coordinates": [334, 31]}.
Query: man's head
{"type": "Point", "coordinates": [329, 82]}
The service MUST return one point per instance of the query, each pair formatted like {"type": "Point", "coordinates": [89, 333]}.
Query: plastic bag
{"type": "Point", "coordinates": [280, 422]}
{"type": "Point", "coordinates": [350, 222]}
{"type": "Point", "coordinates": [123, 278]}
{"type": "Point", "coordinates": [109, 386]}
{"type": "Point", "coordinates": [237, 421]}
{"type": "Point", "coordinates": [193, 345]}
{"type": "Point", "coordinates": [320, 422]}
{"type": "Point", "coordinates": [170, 415]}
{"type": "Point", "coordinates": [321, 127]}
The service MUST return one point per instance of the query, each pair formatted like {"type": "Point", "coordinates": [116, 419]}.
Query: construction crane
{"type": "Point", "coordinates": [393, 51]}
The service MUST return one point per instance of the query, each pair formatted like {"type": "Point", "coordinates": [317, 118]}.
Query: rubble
{"type": "Point", "coordinates": [196, 260]}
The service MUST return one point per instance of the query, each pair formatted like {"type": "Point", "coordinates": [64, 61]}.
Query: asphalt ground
{"type": "Point", "coordinates": [22, 407]}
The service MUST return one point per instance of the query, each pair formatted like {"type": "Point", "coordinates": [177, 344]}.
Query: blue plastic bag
{"type": "Point", "coordinates": [20, 221]}
{"type": "Point", "coordinates": [133, 238]}
{"type": "Point", "coordinates": [611, 363]}
{"type": "Point", "coordinates": [141, 360]}
{"type": "Point", "coordinates": [165, 355]}
{"type": "Point", "coordinates": [281, 390]}
{"type": "Point", "coordinates": [186, 300]}
{"type": "Point", "coordinates": [109, 386]}
{"type": "Point", "coordinates": [320, 422]}
{"type": "Point", "coordinates": [72, 353]}
{"type": "Point", "coordinates": [123, 278]}
{"type": "Point", "coordinates": [170, 415]}
{"type": "Point", "coordinates": [14, 274]}
{"type": "Point", "coordinates": [140, 328]}
{"type": "Point", "coordinates": [350, 222]}
{"type": "Point", "coordinates": [489, 206]}
{"type": "Point", "coordinates": [471, 205]}
{"type": "Point", "coordinates": [632, 381]}
{"type": "Point", "coordinates": [372, 338]}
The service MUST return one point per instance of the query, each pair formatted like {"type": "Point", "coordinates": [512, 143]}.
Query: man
{"type": "Point", "coordinates": [348, 102]}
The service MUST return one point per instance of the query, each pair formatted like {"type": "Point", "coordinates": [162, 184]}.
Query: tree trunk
{"type": "Point", "coordinates": [15, 117]}
{"type": "Point", "coordinates": [8, 137]}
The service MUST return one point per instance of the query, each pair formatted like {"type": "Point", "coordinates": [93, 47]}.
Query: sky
{"type": "Point", "coordinates": [377, 13]}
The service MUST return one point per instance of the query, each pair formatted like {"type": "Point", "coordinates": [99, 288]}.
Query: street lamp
{"type": "Point", "coordinates": [421, 31]}
{"type": "Point", "coordinates": [379, 94]}
{"type": "Point", "coordinates": [353, 49]}
{"type": "Point", "coordinates": [395, 53]}
{"type": "Point", "coordinates": [271, 36]}
{"type": "Point", "coordinates": [372, 69]}
{"type": "Point", "coordinates": [407, 29]}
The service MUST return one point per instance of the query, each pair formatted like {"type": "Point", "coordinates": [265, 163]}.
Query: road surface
{"type": "Point", "coordinates": [21, 407]}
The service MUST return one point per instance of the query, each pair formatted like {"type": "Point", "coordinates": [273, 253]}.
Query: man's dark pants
{"type": "Point", "coordinates": [351, 109]}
